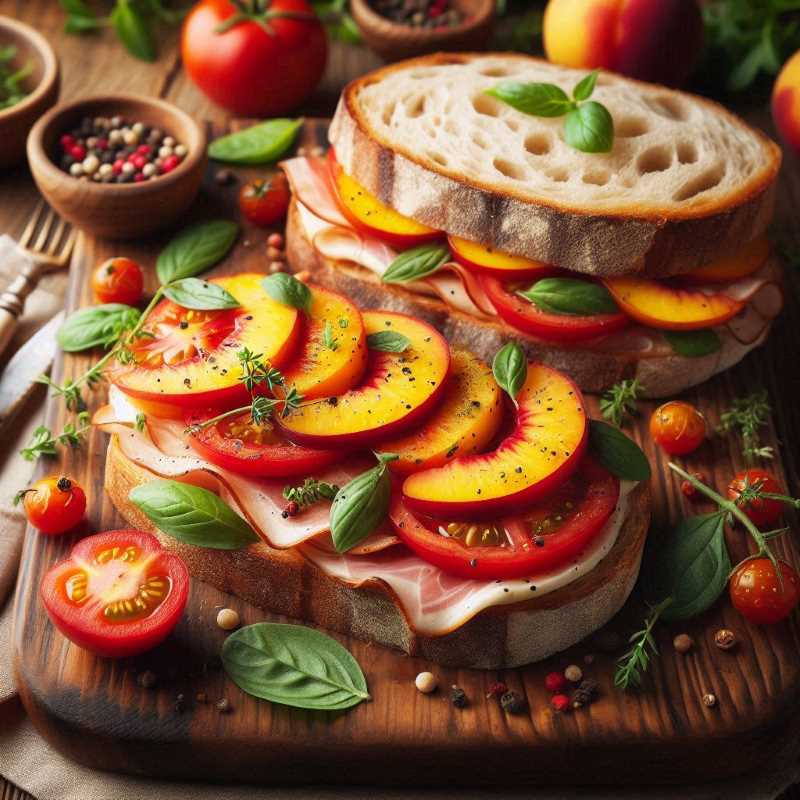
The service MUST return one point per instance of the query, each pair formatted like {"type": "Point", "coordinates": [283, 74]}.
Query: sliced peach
{"type": "Point", "coordinates": [367, 213]}
{"type": "Point", "coordinates": [190, 357]}
{"type": "Point", "coordinates": [671, 307]}
{"type": "Point", "coordinates": [543, 450]}
{"type": "Point", "coordinates": [493, 262]}
{"type": "Point", "coordinates": [333, 354]}
{"type": "Point", "coordinates": [465, 422]}
{"type": "Point", "coordinates": [726, 270]}
{"type": "Point", "coordinates": [397, 391]}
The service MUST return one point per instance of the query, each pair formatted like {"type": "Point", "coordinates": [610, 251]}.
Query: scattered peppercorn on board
{"type": "Point", "coordinates": [174, 713]}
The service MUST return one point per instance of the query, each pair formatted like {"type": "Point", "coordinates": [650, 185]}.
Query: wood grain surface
{"type": "Point", "coordinates": [95, 711]}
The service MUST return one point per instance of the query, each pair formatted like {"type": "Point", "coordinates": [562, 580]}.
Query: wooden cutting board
{"type": "Point", "coordinates": [94, 710]}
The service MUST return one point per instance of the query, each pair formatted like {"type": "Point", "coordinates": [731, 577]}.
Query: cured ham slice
{"type": "Point", "coordinates": [310, 181]}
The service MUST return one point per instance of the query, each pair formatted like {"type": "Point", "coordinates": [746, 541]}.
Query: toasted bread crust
{"type": "Point", "coordinates": [655, 243]}
{"type": "Point", "coordinates": [283, 582]}
{"type": "Point", "coordinates": [593, 370]}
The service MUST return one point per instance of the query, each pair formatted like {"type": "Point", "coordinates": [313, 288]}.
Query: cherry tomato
{"type": "Point", "coordinates": [762, 512]}
{"type": "Point", "coordinates": [54, 505]}
{"type": "Point", "coordinates": [255, 63]}
{"type": "Point", "coordinates": [265, 202]}
{"type": "Point", "coordinates": [118, 280]}
{"type": "Point", "coordinates": [118, 594]}
{"type": "Point", "coordinates": [525, 316]}
{"type": "Point", "coordinates": [549, 536]}
{"type": "Point", "coordinates": [677, 427]}
{"type": "Point", "coordinates": [256, 450]}
{"type": "Point", "coordinates": [757, 595]}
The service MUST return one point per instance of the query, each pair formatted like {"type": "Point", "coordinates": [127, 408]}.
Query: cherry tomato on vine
{"type": "Point", "coordinates": [677, 427]}
{"type": "Point", "coordinates": [254, 58]}
{"type": "Point", "coordinates": [118, 280]}
{"type": "Point", "coordinates": [54, 505]}
{"type": "Point", "coordinates": [763, 512]}
{"type": "Point", "coordinates": [757, 595]}
{"type": "Point", "coordinates": [264, 202]}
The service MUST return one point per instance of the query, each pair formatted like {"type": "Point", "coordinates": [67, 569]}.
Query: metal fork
{"type": "Point", "coordinates": [48, 240]}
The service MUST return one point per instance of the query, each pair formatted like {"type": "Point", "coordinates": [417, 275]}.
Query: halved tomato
{"type": "Point", "coordinates": [504, 266]}
{"type": "Point", "coordinates": [259, 451]}
{"type": "Point", "coordinates": [118, 594]}
{"type": "Point", "coordinates": [525, 316]}
{"type": "Point", "coordinates": [547, 537]}
{"type": "Point", "coordinates": [190, 357]}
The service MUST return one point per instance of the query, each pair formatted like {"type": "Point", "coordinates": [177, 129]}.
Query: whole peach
{"type": "Point", "coordinates": [786, 102]}
{"type": "Point", "coordinates": [653, 40]}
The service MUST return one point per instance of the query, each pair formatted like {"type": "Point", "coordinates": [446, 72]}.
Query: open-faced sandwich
{"type": "Point", "coordinates": [479, 518]}
{"type": "Point", "coordinates": [616, 229]}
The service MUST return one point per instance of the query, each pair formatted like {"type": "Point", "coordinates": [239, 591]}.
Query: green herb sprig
{"type": "Point", "coordinates": [44, 443]}
{"type": "Point", "coordinates": [619, 403]}
{"type": "Point", "coordinates": [12, 90]}
{"type": "Point", "coordinates": [329, 341]}
{"type": "Point", "coordinates": [310, 491]}
{"type": "Point", "coordinates": [635, 662]}
{"type": "Point", "coordinates": [588, 125]}
{"type": "Point", "coordinates": [747, 415]}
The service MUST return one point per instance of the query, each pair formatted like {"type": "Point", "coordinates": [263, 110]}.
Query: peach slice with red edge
{"type": "Point", "coordinates": [465, 422]}
{"type": "Point", "coordinates": [191, 357]}
{"type": "Point", "coordinates": [494, 262]}
{"type": "Point", "coordinates": [732, 268]}
{"type": "Point", "coordinates": [671, 307]}
{"type": "Point", "coordinates": [398, 390]}
{"type": "Point", "coordinates": [333, 354]}
{"type": "Point", "coordinates": [366, 213]}
{"type": "Point", "coordinates": [543, 450]}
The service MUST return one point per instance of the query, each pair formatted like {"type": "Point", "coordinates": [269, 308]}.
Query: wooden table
{"type": "Point", "coordinates": [100, 64]}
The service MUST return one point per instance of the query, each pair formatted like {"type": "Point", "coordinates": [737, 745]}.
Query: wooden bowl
{"type": "Point", "coordinates": [118, 210]}
{"type": "Point", "coordinates": [394, 41]}
{"type": "Point", "coordinates": [42, 86]}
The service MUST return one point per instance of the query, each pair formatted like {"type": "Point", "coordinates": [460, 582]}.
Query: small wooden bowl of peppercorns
{"type": "Point", "coordinates": [118, 166]}
{"type": "Point", "coordinates": [397, 29]}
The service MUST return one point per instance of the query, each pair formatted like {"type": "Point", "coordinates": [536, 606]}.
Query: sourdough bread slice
{"type": "Point", "coordinates": [283, 582]}
{"type": "Point", "coordinates": [685, 183]}
{"type": "Point", "coordinates": [593, 370]}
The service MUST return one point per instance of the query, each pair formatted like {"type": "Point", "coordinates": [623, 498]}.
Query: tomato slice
{"type": "Point", "coordinates": [525, 316]}
{"type": "Point", "coordinates": [118, 594]}
{"type": "Point", "coordinates": [548, 536]}
{"type": "Point", "coordinates": [259, 451]}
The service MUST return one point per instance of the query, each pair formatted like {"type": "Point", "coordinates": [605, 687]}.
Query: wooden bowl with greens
{"type": "Point", "coordinates": [29, 84]}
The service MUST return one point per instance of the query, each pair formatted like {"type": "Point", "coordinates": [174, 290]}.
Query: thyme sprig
{"type": "Point", "coordinates": [619, 403]}
{"type": "Point", "coordinates": [309, 492]}
{"type": "Point", "coordinates": [748, 415]}
{"type": "Point", "coordinates": [45, 443]}
{"type": "Point", "coordinates": [635, 662]}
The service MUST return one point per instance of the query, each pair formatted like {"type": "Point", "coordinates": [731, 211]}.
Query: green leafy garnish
{"type": "Point", "coordinates": [44, 443]}
{"type": "Point", "coordinates": [618, 404]}
{"type": "Point", "coordinates": [570, 296]}
{"type": "Point", "coordinates": [200, 295]}
{"type": "Point", "coordinates": [195, 249]}
{"type": "Point", "coordinates": [329, 341]}
{"type": "Point", "coordinates": [747, 415]}
{"type": "Point", "coordinates": [287, 290]}
{"type": "Point", "coordinates": [619, 454]}
{"type": "Point", "coordinates": [96, 326]}
{"type": "Point", "coordinates": [12, 90]}
{"type": "Point", "coordinates": [388, 342]}
{"type": "Point", "coordinates": [259, 144]}
{"type": "Point", "coordinates": [693, 344]}
{"type": "Point", "coordinates": [416, 263]}
{"type": "Point", "coordinates": [310, 491]}
{"type": "Point", "coordinates": [510, 369]}
{"type": "Point", "coordinates": [636, 661]}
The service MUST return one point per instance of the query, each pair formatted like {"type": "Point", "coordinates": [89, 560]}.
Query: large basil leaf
{"type": "Point", "coordinates": [536, 99]}
{"type": "Point", "coordinates": [416, 263]}
{"type": "Point", "coordinates": [192, 515]}
{"type": "Point", "coordinates": [693, 344]}
{"type": "Point", "coordinates": [510, 369]}
{"type": "Point", "coordinates": [133, 30]}
{"type": "Point", "coordinates": [287, 290]}
{"type": "Point", "coordinates": [96, 326]}
{"type": "Point", "coordinates": [690, 564]}
{"type": "Point", "coordinates": [617, 453]}
{"type": "Point", "coordinates": [200, 295]}
{"type": "Point", "coordinates": [294, 666]}
{"type": "Point", "coordinates": [195, 249]}
{"type": "Point", "coordinates": [570, 296]}
{"type": "Point", "coordinates": [590, 128]}
{"type": "Point", "coordinates": [258, 144]}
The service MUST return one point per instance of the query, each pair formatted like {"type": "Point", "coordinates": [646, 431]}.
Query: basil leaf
{"type": "Point", "coordinates": [200, 295]}
{"type": "Point", "coordinates": [388, 342]}
{"type": "Point", "coordinates": [361, 505]}
{"type": "Point", "coordinates": [416, 263]}
{"type": "Point", "coordinates": [536, 99]}
{"type": "Point", "coordinates": [286, 289]}
{"type": "Point", "coordinates": [192, 515]}
{"type": "Point", "coordinates": [617, 453]}
{"type": "Point", "coordinates": [570, 296]}
{"type": "Point", "coordinates": [96, 326]}
{"type": "Point", "coordinates": [259, 144]}
{"type": "Point", "coordinates": [133, 30]}
{"type": "Point", "coordinates": [510, 369]}
{"type": "Point", "coordinates": [690, 564]}
{"type": "Point", "coordinates": [693, 344]}
{"type": "Point", "coordinates": [195, 249]}
{"type": "Point", "coordinates": [590, 128]}
{"type": "Point", "coordinates": [584, 87]}
{"type": "Point", "coordinates": [294, 666]}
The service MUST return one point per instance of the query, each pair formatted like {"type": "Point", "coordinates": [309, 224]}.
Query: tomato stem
{"type": "Point", "coordinates": [259, 13]}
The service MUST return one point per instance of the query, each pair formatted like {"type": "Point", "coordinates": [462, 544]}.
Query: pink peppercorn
{"type": "Point", "coordinates": [560, 703]}
{"type": "Point", "coordinates": [169, 163]}
{"type": "Point", "coordinates": [78, 152]}
{"type": "Point", "coordinates": [138, 177]}
{"type": "Point", "coordinates": [144, 149]}
{"type": "Point", "coordinates": [102, 144]}
{"type": "Point", "coordinates": [138, 162]}
{"type": "Point", "coordinates": [555, 682]}
{"type": "Point", "coordinates": [116, 167]}
{"type": "Point", "coordinates": [67, 141]}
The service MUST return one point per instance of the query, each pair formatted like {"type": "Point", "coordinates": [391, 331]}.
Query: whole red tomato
{"type": "Point", "coordinates": [679, 428]}
{"type": "Point", "coordinates": [763, 512]}
{"type": "Point", "coordinates": [265, 202]}
{"type": "Point", "coordinates": [54, 505]}
{"type": "Point", "coordinates": [757, 594]}
{"type": "Point", "coordinates": [252, 61]}
{"type": "Point", "coordinates": [118, 280]}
